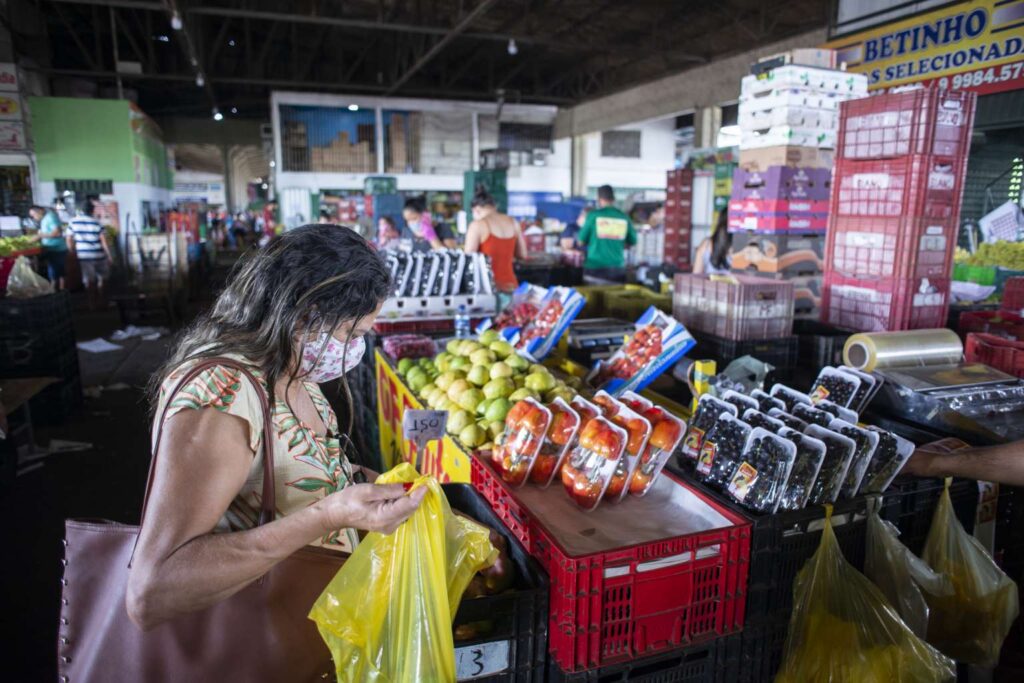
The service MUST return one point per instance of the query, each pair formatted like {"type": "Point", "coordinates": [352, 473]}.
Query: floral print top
{"type": "Point", "coordinates": [307, 466]}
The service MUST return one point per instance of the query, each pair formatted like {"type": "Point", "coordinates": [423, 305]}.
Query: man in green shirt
{"type": "Point", "coordinates": [607, 233]}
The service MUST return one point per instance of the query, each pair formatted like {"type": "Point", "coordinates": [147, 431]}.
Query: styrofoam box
{"type": "Point", "coordinates": [791, 97]}
{"type": "Point", "coordinates": [799, 117]}
{"type": "Point", "coordinates": [820, 80]}
{"type": "Point", "coordinates": [822, 138]}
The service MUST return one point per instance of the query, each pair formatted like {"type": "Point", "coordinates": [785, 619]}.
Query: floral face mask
{"type": "Point", "coordinates": [326, 359]}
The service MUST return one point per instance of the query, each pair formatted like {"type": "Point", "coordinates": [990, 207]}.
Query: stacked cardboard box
{"type": "Point", "coordinates": [895, 207]}
{"type": "Point", "coordinates": [343, 156]}
{"type": "Point", "coordinates": [678, 218]}
{"type": "Point", "coordinates": [778, 209]}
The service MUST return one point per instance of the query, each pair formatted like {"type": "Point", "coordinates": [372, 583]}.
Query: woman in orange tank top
{"type": "Point", "coordinates": [497, 235]}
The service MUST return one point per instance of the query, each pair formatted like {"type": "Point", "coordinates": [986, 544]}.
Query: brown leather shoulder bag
{"type": "Point", "coordinates": [261, 633]}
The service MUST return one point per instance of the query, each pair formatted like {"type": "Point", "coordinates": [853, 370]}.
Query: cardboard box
{"type": "Point", "coordinates": [806, 223]}
{"type": "Point", "coordinates": [822, 138]}
{"type": "Point", "coordinates": [798, 116]}
{"type": "Point", "coordinates": [807, 77]}
{"type": "Point", "coordinates": [778, 253]}
{"type": "Point", "coordinates": [785, 155]}
{"type": "Point", "coordinates": [769, 208]}
{"type": "Point", "coordinates": [782, 182]}
{"type": "Point", "coordinates": [822, 58]}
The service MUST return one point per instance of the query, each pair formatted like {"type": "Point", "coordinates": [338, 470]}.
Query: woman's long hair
{"type": "Point", "coordinates": [721, 242]}
{"type": "Point", "coordinates": [313, 278]}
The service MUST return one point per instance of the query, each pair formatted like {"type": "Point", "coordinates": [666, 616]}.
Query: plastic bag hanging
{"type": "Point", "coordinates": [970, 623]}
{"type": "Point", "coordinates": [843, 630]}
{"type": "Point", "coordinates": [387, 614]}
{"type": "Point", "coordinates": [902, 576]}
{"type": "Point", "coordinates": [24, 283]}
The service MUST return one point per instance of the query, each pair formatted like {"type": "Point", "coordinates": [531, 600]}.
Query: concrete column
{"type": "Point", "coordinates": [706, 123]}
{"type": "Point", "coordinates": [229, 194]}
{"type": "Point", "coordinates": [578, 171]}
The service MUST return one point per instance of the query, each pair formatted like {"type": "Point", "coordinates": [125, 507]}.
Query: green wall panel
{"type": "Point", "coordinates": [82, 139]}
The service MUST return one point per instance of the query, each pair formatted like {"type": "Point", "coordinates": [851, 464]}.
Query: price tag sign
{"type": "Point", "coordinates": [485, 659]}
{"type": "Point", "coordinates": [421, 426]}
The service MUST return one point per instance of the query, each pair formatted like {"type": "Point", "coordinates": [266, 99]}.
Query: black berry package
{"type": "Point", "coordinates": [866, 441]}
{"type": "Point", "coordinates": [789, 396]}
{"type": "Point", "coordinates": [788, 419]}
{"type": "Point", "coordinates": [708, 410]}
{"type": "Point", "coordinates": [836, 386]}
{"type": "Point", "coordinates": [766, 401]}
{"type": "Point", "coordinates": [891, 453]}
{"type": "Point", "coordinates": [759, 480]}
{"type": "Point", "coordinates": [755, 418]}
{"type": "Point", "coordinates": [810, 454]}
{"type": "Point", "coordinates": [742, 403]}
{"type": "Point", "coordinates": [812, 416]}
{"type": "Point", "coordinates": [721, 450]}
{"type": "Point", "coordinates": [836, 410]}
{"type": "Point", "coordinates": [869, 386]}
{"type": "Point", "coordinates": [839, 452]}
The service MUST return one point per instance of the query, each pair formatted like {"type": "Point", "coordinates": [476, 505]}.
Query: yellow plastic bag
{"type": "Point", "coordinates": [971, 623]}
{"type": "Point", "coordinates": [903, 577]}
{"type": "Point", "coordinates": [387, 614]}
{"type": "Point", "coordinates": [844, 631]}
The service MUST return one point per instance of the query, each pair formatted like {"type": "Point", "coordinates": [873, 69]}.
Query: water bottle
{"type": "Point", "coordinates": [462, 330]}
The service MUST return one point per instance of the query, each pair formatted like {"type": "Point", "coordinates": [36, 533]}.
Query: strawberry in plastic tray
{"type": "Point", "coordinates": [659, 341]}
{"type": "Point", "coordinates": [638, 430]}
{"type": "Point", "coordinates": [516, 448]}
{"type": "Point", "coordinates": [524, 307]}
{"type": "Point", "coordinates": [558, 309]}
{"type": "Point", "coordinates": [589, 468]}
{"type": "Point", "coordinates": [561, 434]}
{"type": "Point", "coordinates": [666, 433]}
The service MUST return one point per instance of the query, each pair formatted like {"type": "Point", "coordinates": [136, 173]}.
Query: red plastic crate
{"type": "Point", "coordinates": [1013, 294]}
{"type": "Point", "coordinates": [927, 121]}
{"type": "Point", "coordinates": [996, 323]}
{"type": "Point", "coordinates": [885, 304]}
{"type": "Point", "coordinates": [638, 600]}
{"type": "Point", "coordinates": [892, 247]}
{"type": "Point", "coordinates": [997, 352]}
{"type": "Point", "coordinates": [913, 185]}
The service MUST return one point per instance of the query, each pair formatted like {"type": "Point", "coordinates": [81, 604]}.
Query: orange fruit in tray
{"type": "Point", "coordinates": [639, 483]}
{"type": "Point", "coordinates": [606, 402]}
{"type": "Point", "coordinates": [543, 467]}
{"type": "Point", "coordinates": [515, 414]}
{"type": "Point", "coordinates": [535, 421]}
{"type": "Point", "coordinates": [569, 474]}
{"type": "Point", "coordinates": [562, 424]}
{"type": "Point", "coordinates": [665, 433]}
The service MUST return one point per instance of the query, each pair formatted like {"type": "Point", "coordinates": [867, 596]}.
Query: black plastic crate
{"type": "Point", "coordinates": [33, 333]}
{"type": "Point", "coordinates": [909, 503]}
{"type": "Point", "coordinates": [755, 654]}
{"type": "Point", "coordinates": [518, 620]}
{"type": "Point", "coordinates": [780, 545]}
{"type": "Point", "coordinates": [47, 312]}
{"type": "Point", "coordinates": [782, 352]}
{"type": "Point", "coordinates": [1009, 544]}
{"type": "Point", "coordinates": [820, 344]}
{"type": "Point", "coordinates": [18, 358]}
{"type": "Point", "coordinates": [57, 402]}
{"type": "Point", "coordinates": [695, 664]}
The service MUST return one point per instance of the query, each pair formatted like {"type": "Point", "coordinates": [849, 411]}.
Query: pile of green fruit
{"type": "Point", "coordinates": [1003, 254]}
{"type": "Point", "coordinates": [477, 381]}
{"type": "Point", "coordinates": [10, 245]}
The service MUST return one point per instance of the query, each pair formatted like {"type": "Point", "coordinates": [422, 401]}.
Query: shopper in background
{"type": "Point", "coordinates": [568, 239]}
{"type": "Point", "coordinates": [421, 229]}
{"type": "Point", "coordinates": [712, 255]}
{"type": "Point", "coordinates": [325, 218]}
{"type": "Point", "coordinates": [499, 237]}
{"type": "Point", "coordinates": [51, 239]}
{"type": "Point", "coordinates": [606, 234]}
{"type": "Point", "coordinates": [387, 234]}
{"type": "Point", "coordinates": [88, 241]}
{"type": "Point", "coordinates": [295, 316]}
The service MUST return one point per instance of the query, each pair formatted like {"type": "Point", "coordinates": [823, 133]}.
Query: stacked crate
{"type": "Point", "coordinates": [895, 209]}
{"type": "Point", "coordinates": [780, 192]}
{"type": "Point", "coordinates": [678, 218]}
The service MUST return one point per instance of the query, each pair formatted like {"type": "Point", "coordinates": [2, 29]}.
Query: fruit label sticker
{"type": "Point", "coordinates": [742, 481]}
{"type": "Point", "coordinates": [611, 228]}
{"type": "Point", "coordinates": [691, 444]}
{"type": "Point", "coordinates": [819, 394]}
{"type": "Point", "coordinates": [421, 426]}
{"type": "Point", "coordinates": [707, 457]}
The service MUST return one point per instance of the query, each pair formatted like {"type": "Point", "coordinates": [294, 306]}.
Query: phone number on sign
{"type": "Point", "coordinates": [982, 77]}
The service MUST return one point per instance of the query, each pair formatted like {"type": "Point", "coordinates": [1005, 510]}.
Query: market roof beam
{"type": "Point", "coordinates": [452, 34]}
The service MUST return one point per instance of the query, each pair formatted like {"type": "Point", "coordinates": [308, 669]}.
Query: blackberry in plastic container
{"type": "Point", "coordinates": [835, 386]}
{"type": "Point", "coordinates": [789, 396]}
{"type": "Point", "coordinates": [766, 401]}
{"type": "Point", "coordinates": [739, 400]}
{"type": "Point", "coordinates": [721, 451]}
{"type": "Point", "coordinates": [772, 460]}
{"type": "Point", "coordinates": [708, 410]}
{"type": "Point", "coordinates": [890, 455]}
{"type": "Point", "coordinates": [755, 418]}
{"type": "Point", "coordinates": [812, 415]}
{"type": "Point", "coordinates": [861, 458]}
{"type": "Point", "coordinates": [810, 454]}
{"type": "Point", "coordinates": [787, 419]}
{"type": "Point", "coordinates": [838, 454]}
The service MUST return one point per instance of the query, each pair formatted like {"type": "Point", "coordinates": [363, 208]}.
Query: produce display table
{"type": "Point", "coordinates": [445, 459]}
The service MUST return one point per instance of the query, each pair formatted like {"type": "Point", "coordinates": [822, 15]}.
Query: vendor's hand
{"type": "Point", "coordinates": [920, 463]}
{"type": "Point", "coordinates": [371, 507]}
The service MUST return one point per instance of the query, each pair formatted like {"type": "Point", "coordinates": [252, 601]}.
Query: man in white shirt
{"type": "Point", "coordinates": [89, 243]}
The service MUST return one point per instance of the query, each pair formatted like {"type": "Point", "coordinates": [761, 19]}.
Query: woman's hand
{"type": "Point", "coordinates": [371, 507]}
{"type": "Point", "coordinates": [371, 475]}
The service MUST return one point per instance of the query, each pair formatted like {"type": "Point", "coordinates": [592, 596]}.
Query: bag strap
{"type": "Point", "coordinates": [268, 502]}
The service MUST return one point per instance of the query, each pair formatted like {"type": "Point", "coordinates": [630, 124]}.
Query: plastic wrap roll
{"type": "Point", "coordinates": [868, 351]}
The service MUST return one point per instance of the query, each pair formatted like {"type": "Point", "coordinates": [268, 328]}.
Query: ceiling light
{"type": "Point", "coordinates": [162, 38]}
{"type": "Point", "coordinates": [265, 186]}
{"type": "Point", "coordinates": [200, 81]}
{"type": "Point", "coordinates": [217, 116]}
{"type": "Point", "coordinates": [231, 43]}
{"type": "Point", "coordinates": [234, 110]}
{"type": "Point", "coordinates": [513, 49]}
{"type": "Point", "coordinates": [176, 21]}
{"type": "Point", "coordinates": [273, 163]}
{"type": "Point", "coordinates": [353, 107]}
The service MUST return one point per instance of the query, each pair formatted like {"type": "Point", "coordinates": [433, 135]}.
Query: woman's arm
{"type": "Point", "coordinates": [181, 567]}
{"type": "Point", "coordinates": [520, 241]}
{"type": "Point", "coordinates": [698, 257]}
{"type": "Point", "coordinates": [1003, 463]}
{"type": "Point", "coordinates": [473, 239]}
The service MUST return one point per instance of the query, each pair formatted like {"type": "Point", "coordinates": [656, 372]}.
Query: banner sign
{"type": "Point", "coordinates": [976, 46]}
